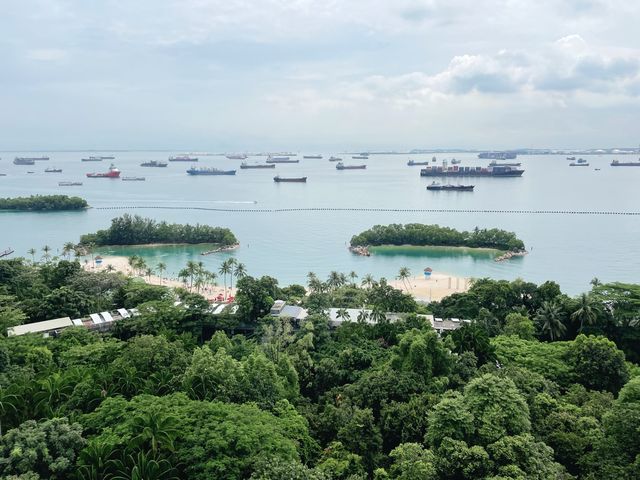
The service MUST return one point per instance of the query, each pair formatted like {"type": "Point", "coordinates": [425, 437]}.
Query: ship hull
{"type": "Point", "coordinates": [245, 167]}
{"type": "Point", "coordinates": [471, 173]}
{"type": "Point", "coordinates": [290, 180]}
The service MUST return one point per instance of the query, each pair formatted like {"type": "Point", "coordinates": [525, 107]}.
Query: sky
{"type": "Point", "coordinates": [246, 75]}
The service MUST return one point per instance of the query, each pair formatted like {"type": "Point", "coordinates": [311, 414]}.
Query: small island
{"type": "Point", "coordinates": [43, 203]}
{"type": "Point", "coordinates": [421, 235]}
{"type": "Point", "coordinates": [136, 230]}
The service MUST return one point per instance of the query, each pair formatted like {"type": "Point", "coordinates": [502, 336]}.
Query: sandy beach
{"type": "Point", "coordinates": [121, 264]}
{"type": "Point", "coordinates": [435, 288]}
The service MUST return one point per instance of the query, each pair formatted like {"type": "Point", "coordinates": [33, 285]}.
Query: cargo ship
{"type": "Point", "coordinates": [571, 158]}
{"type": "Point", "coordinates": [580, 163]}
{"type": "Point", "coordinates": [360, 157]}
{"type": "Point", "coordinates": [236, 156]}
{"type": "Point", "coordinates": [133, 179]}
{"type": "Point", "coordinates": [342, 166]}
{"type": "Point", "coordinates": [498, 172]}
{"type": "Point", "coordinates": [183, 158]}
{"type": "Point", "coordinates": [154, 163]}
{"type": "Point", "coordinates": [112, 173]}
{"type": "Point", "coordinates": [498, 155]}
{"type": "Point", "coordinates": [435, 186]}
{"type": "Point", "coordinates": [616, 163]}
{"type": "Point", "coordinates": [209, 171]}
{"type": "Point", "coordinates": [245, 165]}
{"type": "Point", "coordinates": [53, 170]}
{"type": "Point", "coordinates": [313, 157]}
{"type": "Point", "coordinates": [69, 184]}
{"type": "Point", "coordinates": [23, 161]}
{"type": "Point", "coordinates": [92, 159]}
{"type": "Point", "coordinates": [335, 159]}
{"type": "Point", "coordinates": [413, 163]}
{"type": "Point", "coordinates": [282, 160]}
{"type": "Point", "coordinates": [279, 179]}
{"type": "Point", "coordinates": [503, 164]}
{"type": "Point", "coordinates": [34, 159]}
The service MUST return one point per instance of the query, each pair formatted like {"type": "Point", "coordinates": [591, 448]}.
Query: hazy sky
{"type": "Point", "coordinates": [318, 74]}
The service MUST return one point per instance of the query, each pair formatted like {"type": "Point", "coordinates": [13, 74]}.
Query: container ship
{"type": "Point", "coordinates": [183, 158]}
{"type": "Point", "coordinates": [23, 161]}
{"type": "Point", "coordinates": [342, 166]}
{"type": "Point", "coordinates": [279, 179]}
{"type": "Point", "coordinates": [498, 155]}
{"type": "Point", "coordinates": [616, 163]}
{"type": "Point", "coordinates": [282, 160]}
{"type": "Point", "coordinates": [503, 164]}
{"type": "Point", "coordinates": [112, 173]}
{"type": "Point", "coordinates": [437, 187]}
{"type": "Point", "coordinates": [455, 171]}
{"type": "Point", "coordinates": [245, 165]}
{"type": "Point", "coordinates": [413, 163]}
{"type": "Point", "coordinates": [236, 156]}
{"type": "Point", "coordinates": [313, 157]}
{"type": "Point", "coordinates": [154, 163]}
{"type": "Point", "coordinates": [209, 171]}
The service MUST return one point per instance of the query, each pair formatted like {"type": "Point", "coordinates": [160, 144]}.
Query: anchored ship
{"type": "Point", "coordinates": [23, 161]}
{"type": "Point", "coordinates": [92, 159]}
{"type": "Point", "coordinates": [616, 163]}
{"type": "Point", "coordinates": [455, 171]}
{"type": "Point", "coordinates": [335, 159]}
{"type": "Point", "coordinates": [133, 179]}
{"type": "Point", "coordinates": [282, 160]}
{"type": "Point", "coordinates": [154, 163]}
{"type": "Point", "coordinates": [435, 186]}
{"type": "Point", "coordinates": [53, 170]}
{"type": "Point", "coordinates": [342, 166]}
{"type": "Point", "coordinates": [209, 171]}
{"type": "Point", "coordinates": [580, 163]}
{"type": "Point", "coordinates": [245, 165]}
{"type": "Point", "coordinates": [183, 158]}
{"type": "Point", "coordinates": [498, 155]}
{"type": "Point", "coordinates": [279, 179]}
{"type": "Point", "coordinates": [112, 173]}
{"type": "Point", "coordinates": [413, 163]}
{"type": "Point", "coordinates": [69, 184]}
{"type": "Point", "coordinates": [503, 164]}
{"type": "Point", "coordinates": [360, 157]}
{"type": "Point", "coordinates": [236, 156]}
{"type": "Point", "coordinates": [317, 157]}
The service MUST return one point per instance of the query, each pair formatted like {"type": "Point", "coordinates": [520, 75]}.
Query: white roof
{"type": "Point", "coordinates": [38, 327]}
{"type": "Point", "coordinates": [123, 312]}
{"type": "Point", "coordinates": [96, 318]}
{"type": "Point", "coordinates": [77, 322]}
{"type": "Point", "coordinates": [107, 316]}
{"type": "Point", "coordinates": [219, 309]}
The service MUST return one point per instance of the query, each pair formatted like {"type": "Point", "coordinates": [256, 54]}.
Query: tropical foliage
{"type": "Point", "coordinates": [43, 203]}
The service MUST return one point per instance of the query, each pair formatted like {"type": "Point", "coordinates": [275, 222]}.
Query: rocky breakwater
{"type": "Point", "coordinates": [221, 249]}
{"type": "Point", "coordinates": [360, 250]}
{"type": "Point", "coordinates": [510, 255]}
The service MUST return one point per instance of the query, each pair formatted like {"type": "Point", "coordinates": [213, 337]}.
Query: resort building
{"type": "Point", "coordinates": [282, 310]}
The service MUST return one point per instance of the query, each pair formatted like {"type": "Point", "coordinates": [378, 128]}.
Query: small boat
{"type": "Point", "coordinates": [579, 164]}
{"type": "Point", "coordinates": [434, 159]}
{"type": "Point", "coordinates": [183, 158]}
{"type": "Point", "coordinates": [245, 165]}
{"type": "Point", "coordinates": [571, 158]}
{"type": "Point", "coordinates": [360, 157]}
{"type": "Point", "coordinates": [617, 163]}
{"type": "Point", "coordinates": [31, 172]}
{"type": "Point", "coordinates": [597, 169]}
{"type": "Point", "coordinates": [456, 162]}
{"type": "Point", "coordinates": [413, 163]}
{"type": "Point", "coordinates": [236, 156]}
{"type": "Point", "coordinates": [435, 186]}
{"type": "Point", "coordinates": [154, 163]}
{"type": "Point", "coordinates": [316, 157]}
{"type": "Point", "coordinates": [342, 166]}
{"type": "Point", "coordinates": [133, 179]}
{"type": "Point", "coordinates": [112, 173]}
{"type": "Point", "coordinates": [209, 171]}
{"type": "Point", "coordinates": [335, 159]}
{"type": "Point", "coordinates": [279, 179]}
{"type": "Point", "coordinates": [282, 160]}
{"type": "Point", "coordinates": [69, 184]}
{"type": "Point", "coordinates": [53, 170]}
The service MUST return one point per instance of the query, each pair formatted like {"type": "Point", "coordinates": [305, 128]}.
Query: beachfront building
{"type": "Point", "coordinates": [338, 316]}
{"type": "Point", "coordinates": [282, 310]}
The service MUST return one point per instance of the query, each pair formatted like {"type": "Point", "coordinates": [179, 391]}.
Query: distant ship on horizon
{"type": "Point", "coordinates": [209, 171]}
{"type": "Point", "coordinates": [183, 158]}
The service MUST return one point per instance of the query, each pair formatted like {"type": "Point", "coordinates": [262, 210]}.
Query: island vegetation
{"type": "Point", "coordinates": [418, 234]}
{"type": "Point", "coordinates": [43, 203]}
{"type": "Point", "coordinates": [136, 230]}
{"type": "Point", "coordinates": [538, 385]}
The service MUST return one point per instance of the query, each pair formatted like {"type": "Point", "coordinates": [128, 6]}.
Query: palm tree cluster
{"type": "Point", "coordinates": [233, 268]}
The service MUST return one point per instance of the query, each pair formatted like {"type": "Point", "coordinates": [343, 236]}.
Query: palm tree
{"type": "Point", "coordinates": [192, 269]}
{"type": "Point", "coordinates": [46, 256]}
{"type": "Point", "coordinates": [549, 318]}
{"type": "Point", "coordinates": [368, 281]}
{"type": "Point", "coordinates": [240, 271]}
{"type": "Point", "coordinates": [403, 275]}
{"type": "Point", "coordinates": [363, 316]}
{"type": "Point", "coordinates": [156, 429]}
{"type": "Point", "coordinates": [67, 249]}
{"type": "Point", "coordinates": [161, 267]}
{"type": "Point", "coordinates": [232, 263]}
{"type": "Point", "coordinates": [343, 314]}
{"type": "Point", "coordinates": [378, 315]}
{"type": "Point", "coordinates": [184, 275]}
{"type": "Point", "coordinates": [148, 272]}
{"type": "Point", "coordinates": [353, 275]}
{"type": "Point", "coordinates": [32, 251]}
{"type": "Point", "coordinates": [110, 268]}
{"type": "Point", "coordinates": [224, 270]}
{"type": "Point", "coordinates": [595, 281]}
{"type": "Point", "coordinates": [335, 280]}
{"type": "Point", "coordinates": [132, 261]}
{"type": "Point", "coordinates": [585, 312]}
{"type": "Point", "coordinates": [141, 265]}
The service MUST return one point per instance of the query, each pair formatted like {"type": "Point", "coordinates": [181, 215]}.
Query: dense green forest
{"type": "Point", "coordinates": [435, 235]}
{"type": "Point", "coordinates": [43, 203]}
{"type": "Point", "coordinates": [136, 230]}
{"type": "Point", "coordinates": [539, 386]}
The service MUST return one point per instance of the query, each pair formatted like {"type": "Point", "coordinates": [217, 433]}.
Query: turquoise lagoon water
{"type": "Point", "coordinates": [571, 249]}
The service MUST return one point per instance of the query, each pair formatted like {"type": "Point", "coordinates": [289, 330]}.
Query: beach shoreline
{"type": "Point", "coordinates": [433, 288]}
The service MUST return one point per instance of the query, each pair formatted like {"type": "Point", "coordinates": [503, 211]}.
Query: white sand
{"type": "Point", "coordinates": [435, 288]}
{"type": "Point", "coordinates": [121, 264]}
